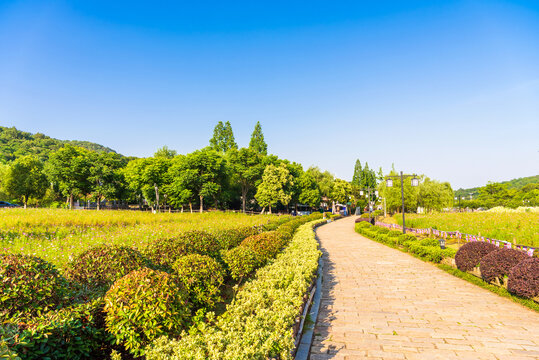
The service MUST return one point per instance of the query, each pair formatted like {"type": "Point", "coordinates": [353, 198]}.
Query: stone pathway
{"type": "Point", "coordinates": [380, 303]}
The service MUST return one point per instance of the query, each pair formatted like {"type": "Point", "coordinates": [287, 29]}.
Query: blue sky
{"type": "Point", "coordinates": [447, 88]}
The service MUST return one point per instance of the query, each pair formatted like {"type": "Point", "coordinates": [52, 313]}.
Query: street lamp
{"type": "Point", "coordinates": [389, 183]}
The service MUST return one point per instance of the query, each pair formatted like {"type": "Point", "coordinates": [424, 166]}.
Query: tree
{"type": "Point", "coordinates": [358, 173]}
{"type": "Point", "coordinates": [25, 179]}
{"type": "Point", "coordinates": [165, 152]}
{"type": "Point", "coordinates": [105, 178]}
{"type": "Point", "coordinates": [69, 168]}
{"type": "Point", "coordinates": [434, 195]}
{"type": "Point", "coordinates": [272, 188]}
{"type": "Point", "coordinates": [202, 173]}
{"type": "Point", "coordinates": [324, 180]}
{"type": "Point", "coordinates": [309, 191]}
{"type": "Point", "coordinates": [223, 138]}
{"type": "Point", "coordinates": [257, 142]}
{"type": "Point", "coordinates": [247, 168]}
{"type": "Point", "coordinates": [4, 168]}
{"type": "Point", "coordinates": [342, 190]}
{"type": "Point", "coordinates": [148, 177]}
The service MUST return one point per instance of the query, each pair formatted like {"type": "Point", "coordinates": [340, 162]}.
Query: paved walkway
{"type": "Point", "coordinates": [380, 303]}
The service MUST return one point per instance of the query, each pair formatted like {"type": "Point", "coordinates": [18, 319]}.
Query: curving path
{"type": "Point", "coordinates": [380, 303]}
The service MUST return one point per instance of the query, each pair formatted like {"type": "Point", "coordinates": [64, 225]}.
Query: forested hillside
{"type": "Point", "coordinates": [15, 144]}
{"type": "Point", "coordinates": [510, 184]}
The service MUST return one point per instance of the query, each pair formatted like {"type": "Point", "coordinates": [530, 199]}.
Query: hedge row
{"type": "Point", "coordinates": [257, 325]}
{"type": "Point", "coordinates": [428, 249]}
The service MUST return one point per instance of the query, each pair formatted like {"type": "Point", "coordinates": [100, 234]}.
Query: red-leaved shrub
{"type": "Point", "coordinates": [524, 278]}
{"type": "Point", "coordinates": [470, 254]}
{"type": "Point", "coordinates": [498, 263]}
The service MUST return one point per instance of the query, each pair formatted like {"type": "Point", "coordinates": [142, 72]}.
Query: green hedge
{"type": "Point", "coordinates": [257, 325]}
{"type": "Point", "coordinates": [428, 249]}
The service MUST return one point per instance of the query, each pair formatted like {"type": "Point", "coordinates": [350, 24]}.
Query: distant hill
{"type": "Point", "coordinates": [15, 143]}
{"type": "Point", "coordinates": [511, 184]}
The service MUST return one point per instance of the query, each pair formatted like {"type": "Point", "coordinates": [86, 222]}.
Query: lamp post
{"type": "Point", "coordinates": [389, 183]}
{"type": "Point", "coordinates": [368, 190]}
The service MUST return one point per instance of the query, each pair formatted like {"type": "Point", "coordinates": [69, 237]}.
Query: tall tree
{"type": "Point", "coordinates": [257, 142]}
{"type": "Point", "coordinates": [272, 189]}
{"type": "Point", "coordinates": [25, 179]}
{"type": "Point", "coordinates": [69, 169]}
{"type": "Point", "coordinates": [223, 138]}
{"type": "Point", "coordinates": [358, 172]}
{"type": "Point", "coordinates": [247, 168]}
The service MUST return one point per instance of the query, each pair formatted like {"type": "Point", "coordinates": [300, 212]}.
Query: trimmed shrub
{"type": "Point", "coordinates": [406, 237]}
{"type": "Point", "coordinates": [201, 276]}
{"type": "Point", "coordinates": [241, 262]}
{"type": "Point", "coordinates": [381, 230]}
{"type": "Point", "coordinates": [103, 265]}
{"type": "Point", "coordinates": [144, 305]}
{"type": "Point", "coordinates": [367, 220]}
{"type": "Point", "coordinates": [202, 242]}
{"type": "Point", "coordinates": [470, 254]}
{"type": "Point", "coordinates": [164, 252]}
{"type": "Point", "coordinates": [231, 238]}
{"type": "Point", "coordinates": [449, 252]}
{"type": "Point", "coordinates": [265, 245]}
{"type": "Point", "coordinates": [429, 242]}
{"type": "Point", "coordinates": [75, 332]}
{"type": "Point", "coordinates": [498, 263]}
{"type": "Point", "coordinates": [29, 285]}
{"type": "Point", "coordinates": [394, 233]}
{"type": "Point", "coordinates": [524, 278]}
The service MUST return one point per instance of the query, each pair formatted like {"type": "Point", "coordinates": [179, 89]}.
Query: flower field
{"type": "Point", "coordinates": [58, 235]}
{"type": "Point", "coordinates": [523, 227]}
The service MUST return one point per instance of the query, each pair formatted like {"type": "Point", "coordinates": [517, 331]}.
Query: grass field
{"type": "Point", "coordinates": [523, 227]}
{"type": "Point", "coordinates": [58, 235]}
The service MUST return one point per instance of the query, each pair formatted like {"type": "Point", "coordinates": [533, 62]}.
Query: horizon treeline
{"type": "Point", "coordinates": [41, 171]}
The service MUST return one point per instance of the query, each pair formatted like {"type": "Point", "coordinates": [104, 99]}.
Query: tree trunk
{"type": "Point", "coordinates": [98, 202]}
{"type": "Point", "coordinates": [71, 202]}
{"type": "Point", "coordinates": [191, 207]}
{"type": "Point", "coordinates": [270, 209]}
{"type": "Point", "coordinates": [263, 209]}
{"type": "Point", "coordinates": [244, 190]}
{"type": "Point", "coordinates": [201, 204]}
{"type": "Point", "coordinates": [25, 200]}
{"type": "Point", "coordinates": [156, 196]}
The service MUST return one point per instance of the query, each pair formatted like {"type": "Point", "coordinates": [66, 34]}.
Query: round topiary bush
{"type": "Point", "coordinates": [29, 284]}
{"type": "Point", "coordinates": [241, 261]}
{"type": "Point", "coordinates": [266, 245]}
{"type": "Point", "coordinates": [144, 305]}
{"type": "Point", "coordinates": [469, 255]}
{"type": "Point", "coordinates": [524, 278]}
{"type": "Point", "coordinates": [201, 276]}
{"type": "Point", "coordinates": [103, 265]}
{"type": "Point", "coordinates": [498, 263]}
{"type": "Point", "coordinates": [202, 242]}
{"type": "Point", "coordinates": [164, 252]}
{"type": "Point", "coordinates": [230, 238]}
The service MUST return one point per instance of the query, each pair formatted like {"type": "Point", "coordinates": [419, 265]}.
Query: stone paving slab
{"type": "Point", "coordinates": [381, 303]}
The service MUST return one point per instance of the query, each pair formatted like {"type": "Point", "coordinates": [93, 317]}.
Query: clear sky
{"type": "Point", "coordinates": [449, 89]}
